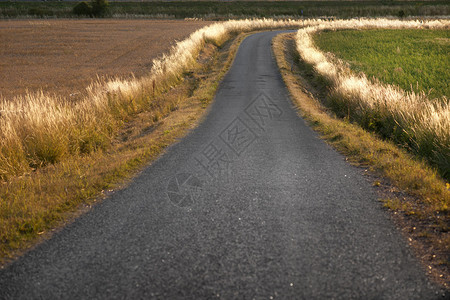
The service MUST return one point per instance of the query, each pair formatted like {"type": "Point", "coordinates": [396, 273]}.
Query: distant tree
{"type": "Point", "coordinates": [99, 7]}
{"type": "Point", "coordinates": [82, 9]}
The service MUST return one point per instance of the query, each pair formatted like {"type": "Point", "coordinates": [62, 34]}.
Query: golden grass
{"type": "Point", "coordinates": [58, 155]}
{"type": "Point", "coordinates": [34, 204]}
{"type": "Point", "coordinates": [406, 117]}
{"type": "Point", "coordinates": [414, 192]}
{"type": "Point", "coordinates": [39, 129]}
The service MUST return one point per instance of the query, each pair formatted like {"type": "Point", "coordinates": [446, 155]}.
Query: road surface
{"type": "Point", "coordinates": [250, 205]}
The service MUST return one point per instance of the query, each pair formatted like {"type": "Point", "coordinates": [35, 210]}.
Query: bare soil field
{"type": "Point", "coordinates": [62, 57]}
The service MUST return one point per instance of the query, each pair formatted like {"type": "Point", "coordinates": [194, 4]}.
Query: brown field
{"type": "Point", "coordinates": [62, 57]}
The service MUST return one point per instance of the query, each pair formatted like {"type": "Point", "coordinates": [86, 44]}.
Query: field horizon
{"type": "Point", "coordinates": [223, 10]}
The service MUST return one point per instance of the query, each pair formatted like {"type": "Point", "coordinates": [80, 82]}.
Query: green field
{"type": "Point", "coordinates": [409, 58]}
{"type": "Point", "coordinates": [219, 10]}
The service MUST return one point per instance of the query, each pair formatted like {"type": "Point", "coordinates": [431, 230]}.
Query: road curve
{"type": "Point", "coordinates": [250, 205]}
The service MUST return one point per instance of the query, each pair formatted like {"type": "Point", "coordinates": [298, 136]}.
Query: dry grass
{"type": "Point", "coordinates": [62, 57]}
{"type": "Point", "coordinates": [416, 195]}
{"type": "Point", "coordinates": [56, 154]}
{"type": "Point", "coordinates": [34, 204]}
{"type": "Point", "coordinates": [39, 129]}
{"type": "Point", "coordinates": [406, 117]}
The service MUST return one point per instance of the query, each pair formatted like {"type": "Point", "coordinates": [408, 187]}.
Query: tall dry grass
{"type": "Point", "coordinates": [409, 118]}
{"type": "Point", "coordinates": [40, 129]}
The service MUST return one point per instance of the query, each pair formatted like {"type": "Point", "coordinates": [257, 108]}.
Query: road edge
{"type": "Point", "coordinates": [428, 245]}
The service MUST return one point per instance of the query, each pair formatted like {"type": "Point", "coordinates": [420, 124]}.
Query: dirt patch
{"type": "Point", "coordinates": [64, 56]}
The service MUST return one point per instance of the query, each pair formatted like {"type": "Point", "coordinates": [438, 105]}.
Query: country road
{"type": "Point", "coordinates": [250, 205]}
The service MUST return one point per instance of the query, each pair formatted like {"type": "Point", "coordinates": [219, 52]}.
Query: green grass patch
{"type": "Point", "coordinates": [410, 58]}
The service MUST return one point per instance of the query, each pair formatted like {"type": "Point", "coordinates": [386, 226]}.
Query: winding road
{"type": "Point", "coordinates": [250, 205]}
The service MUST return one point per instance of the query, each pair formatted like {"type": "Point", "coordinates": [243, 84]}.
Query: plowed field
{"type": "Point", "coordinates": [64, 56]}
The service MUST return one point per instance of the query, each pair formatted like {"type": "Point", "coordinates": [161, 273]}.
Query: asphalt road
{"type": "Point", "coordinates": [250, 205]}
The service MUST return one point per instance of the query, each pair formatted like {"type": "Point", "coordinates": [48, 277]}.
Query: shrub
{"type": "Point", "coordinates": [82, 9]}
{"type": "Point", "coordinates": [99, 8]}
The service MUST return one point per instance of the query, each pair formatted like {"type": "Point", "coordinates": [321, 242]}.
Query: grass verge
{"type": "Point", "coordinates": [50, 148]}
{"type": "Point", "coordinates": [417, 197]}
{"type": "Point", "coordinates": [34, 204]}
{"type": "Point", "coordinates": [412, 120]}
{"type": "Point", "coordinates": [39, 129]}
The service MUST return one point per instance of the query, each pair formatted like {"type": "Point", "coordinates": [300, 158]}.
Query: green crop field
{"type": "Point", "coordinates": [417, 59]}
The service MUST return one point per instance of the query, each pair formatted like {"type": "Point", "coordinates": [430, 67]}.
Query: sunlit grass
{"type": "Point", "coordinates": [39, 129]}
{"type": "Point", "coordinates": [56, 155]}
{"type": "Point", "coordinates": [49, 140]}
{"type": "Point", "coordinates": [408, 118]}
